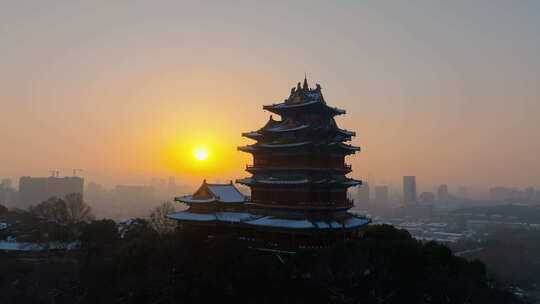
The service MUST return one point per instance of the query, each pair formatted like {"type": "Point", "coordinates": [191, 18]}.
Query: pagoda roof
{"type": "Point", "coordinates": [208, 193]}
{"type": "Point", "coordinates": [346, 220]}
{"type": "Point", "coordinates": [346, 132]}
{"type": "Point", "coordinates": [254, 147]}
{"type": "Point", "coordinates": [280, 181]}
{"type": "Point", "coordinates": [286, 128]}
{"type": "Point", "coordinates": [303, 96]}
{"type": "Point", "coordinates": [279, 108]}
{"type": "Point", "coordinates": [232, 217]}
{"type": "Point", "coordinates": [271, 221]}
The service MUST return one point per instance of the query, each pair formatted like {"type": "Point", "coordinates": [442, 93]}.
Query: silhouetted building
{"type": "Point", "coordinates": [34, 190]}
{"type": "Point", "coordinates": [442, 193]}
{"type": "Point", "coordinates": [298, 183]}
{"type": "Point", "coordinates": [409, 189]}
{"type": "Point", "coordinates": [529, 193]}
{"type": "Point", "coordinates": [381, 194]}
{"type": "Point", "coordinates": [363, 195]}
{"type": "Point", "coordinates": [6, 183]}
{"type": "Point", "coordinates": [427, 197]}
{"type": "Point", "coordinates": [462, 192]}
{"type": "Point", "coordinates": [8, 195]}
{"type": "Point", "coordinates": [94, 190]}
{"type": "Point", "coordinates": [133, 193]}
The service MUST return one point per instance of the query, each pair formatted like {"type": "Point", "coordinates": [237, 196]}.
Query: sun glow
{"type": "Point", "coordinates": [201, 153]}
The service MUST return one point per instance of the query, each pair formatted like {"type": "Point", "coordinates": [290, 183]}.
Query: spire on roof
{"type": "Point", "coordinates": [305, 83]}
{"type": "Point", "coordinates": [298, 87]}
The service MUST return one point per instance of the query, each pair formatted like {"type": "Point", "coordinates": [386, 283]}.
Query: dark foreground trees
{"type": "Point", "coordinates": [386, 266]}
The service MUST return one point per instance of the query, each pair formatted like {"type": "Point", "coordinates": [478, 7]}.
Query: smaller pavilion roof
{"type": "Point", "coordinates": [207, 193]}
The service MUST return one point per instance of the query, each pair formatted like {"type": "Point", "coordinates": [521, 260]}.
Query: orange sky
{"type": "Point", "coordinates": [447, 92]}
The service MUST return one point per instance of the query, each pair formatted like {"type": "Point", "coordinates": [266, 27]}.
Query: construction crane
{"type": "Point", "coordinates": [76, 170]}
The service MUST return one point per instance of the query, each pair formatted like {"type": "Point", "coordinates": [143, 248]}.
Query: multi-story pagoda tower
{"type": "Point", "coordinates": [298, 183]}
{"type": "Point", "coordinates": [299, 161]}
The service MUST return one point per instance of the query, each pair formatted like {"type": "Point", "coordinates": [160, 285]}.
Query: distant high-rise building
{"type": "Point", "coordinates": [529, 193]}
{"type": "Point", "coordinates": [6, 183]}
{"type": "Point", "coordinates": [363, 194]}
{"type": "Point", "coordinates": [462, 192]}
{"type": "Point", "coordinates": [134, 192]}
{"type": "Point", "coordinates": [7, 193]}
{"type": "Point", "coordinates": [427, 197]}
{"type": "Point", "coordinates": [381, 194]}
{"type": "Point", "coordinates": [409, 189]}
{"type": "Point", "coordinates": [34, 190]}
{"type": "Point", "coordinates": [94, 190]}
{"type": "Point", "coordinates": [442, 193]}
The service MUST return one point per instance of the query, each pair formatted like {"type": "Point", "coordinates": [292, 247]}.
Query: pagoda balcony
{"type": "Point", "coordinates": [347, 204]}
{"type": "Point", "coordinates": [343, 167]}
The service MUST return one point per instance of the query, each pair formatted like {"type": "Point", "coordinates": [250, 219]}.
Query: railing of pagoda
{"type": "Point", "coordinates": [342, 204]}
{"type": "Point", "coordinates": [270, 166]}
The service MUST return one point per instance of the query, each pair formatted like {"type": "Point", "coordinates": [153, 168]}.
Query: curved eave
{"type": "Point", "coordinates": [251, 181]}
{"type": "Point", "coordinates": [251, 148]}
{"type": "Point", "coordinates": [350, 148]}
{"type": "Point", "coordinates": [188, 199]}
{"type": "Point", "coordinates": [289, 145]}
{"type": "Point", "coordinates": [347, 132]}
{"type": "Point", "coordinates": [252, 135]}
{"type": "Point", "coordinates": [352, 182]}
{"type": "Point", "coordinates": [350, 221]}
{"type": "Point", "coordinates": [248, 149]}
{"type": "Point", "coordinates": [283, 107]}
{"type": "Point", "coordinates": [253, 169]}
{"type": "Point", "coordinates": [280, 129]}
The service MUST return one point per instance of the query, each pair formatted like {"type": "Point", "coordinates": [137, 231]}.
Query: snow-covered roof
{"type": "Point", "coordinates": [285, 145]}
{"type": "Point", "coordinates": [322, 225]}
{"type": "Point", "coordinates": [282, 181]}
{"type": "Point", "coordinates": [226, 193]}
{"type": "Point", "coordinates": [190, 199]}
{"type": "Point", "coordinates": [277, 181]}
{"type": "Point", "coordinates": [251, 134]}
{"type": "Point", "coordinates": [233, 216]}
{"type": "Point", "coordinates": [246, 148]}
{"type": "Point", "coordinates": [285, 105]}
{"type": "Point", "coordinates": [27, 246]}
{"type": "Point", "coordinates": [350, 221]}
{"type": "Point", "coordinates": [190, 216]}
{"type": "Point", "coordinates": [270, 221]}
{"type": "Point", "coordinates": [207, 193]}
{"type": "Point", "coordinates": [352, 182]}
{"type": "Point", "coordinates": [355, 222]}
{"type": "Point", "coordinates": [285, 128]}
{"type": "Point", "coordinates": [347, 132]}
{"type": "Point", "coordinates": [349, 147]}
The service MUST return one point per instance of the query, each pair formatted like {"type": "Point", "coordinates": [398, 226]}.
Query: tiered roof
{"type": "Point", "coordinates": [338, 221]}
{"type": "Point", "coordinates": [208, 193]}
{"type": "Point", "coordinates": [303, 97]}
{"type": "Point", "coordinates": [318, 130]}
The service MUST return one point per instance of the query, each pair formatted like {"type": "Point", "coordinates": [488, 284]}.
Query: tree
{"type": "Point", "coordinates": [76, 209]}
{"type": "Point", "coordinates": [97, 236]}
{"type": "Point", "coordinates": [67, 211]}
{"type": "Point", "coordinates": [159, 220]}
{"type": "Point", "coordinates": [3, 209]}
{"type": "Point", "coordinates": [51, 210]}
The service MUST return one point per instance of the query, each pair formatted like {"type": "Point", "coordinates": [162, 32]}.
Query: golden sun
{"type": "Point", "coordinates": [201, 153]}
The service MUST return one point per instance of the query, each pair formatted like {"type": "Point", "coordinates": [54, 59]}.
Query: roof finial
{"type": "Point", "coordinates": [305, 82]}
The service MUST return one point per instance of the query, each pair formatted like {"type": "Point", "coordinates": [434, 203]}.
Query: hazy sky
{"type": "Point", "coordinates": [448, 91]}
